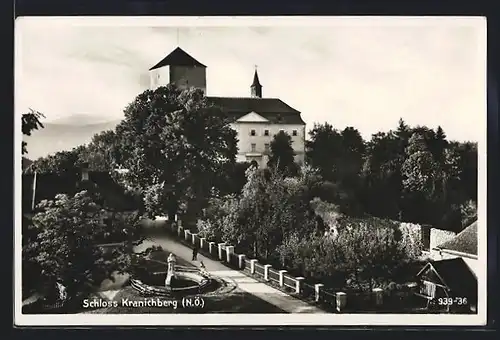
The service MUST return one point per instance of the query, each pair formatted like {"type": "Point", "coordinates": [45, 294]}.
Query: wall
{"type": "Point", "coordinates": [245, 139]}
{"type": "Point", "coordinates": [438, 237]}
{"type": "Point", "coordinates": [159, 77]}
{"type": "Point", "coordinates": [186, 76]}
{"type": "Point", "coordinates": [434, 236]}
{"type": "Point", "coordinates": [181, 76]}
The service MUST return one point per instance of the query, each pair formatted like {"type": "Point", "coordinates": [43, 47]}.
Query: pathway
{"type": "Point", "coordinates": [269, 294]}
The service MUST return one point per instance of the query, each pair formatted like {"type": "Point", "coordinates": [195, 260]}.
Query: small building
{"type": "Point", "coordinates": [449, 281]}
{"type": "Point", "coordinates": [463, 246]}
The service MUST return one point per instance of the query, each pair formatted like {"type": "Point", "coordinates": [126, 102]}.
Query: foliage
{"type": "Point", "coordinates": [269, 208]}
{"type": "Point", "coordinates": [364, 253]}
{"type": "Point", "coordinates": [30, 122]}
{"type": "Point", "coordinates": [219, 221]}
{"type": "Point", "coordinates": [177, 142]}
{"type": "Point", "coordinates": [232, 179]}
{"type": "Point", "coordinates": [64, 238]}
{"type": "Point", "coordinates": [469, 213]}
{"type": "Point", "coordinates": [282, 155]}
{"type": "Point", "coordinates": [103, 153]}
{"type": "Point", "coordinates": [338, 156]}
{"type": "Point", "coordinates": [59, 163]}
{"type": "Point", "coordinates": [417, 169]}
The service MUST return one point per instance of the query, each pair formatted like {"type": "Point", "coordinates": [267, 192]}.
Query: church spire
{"type": "Point", "coordinates": [256, 87]}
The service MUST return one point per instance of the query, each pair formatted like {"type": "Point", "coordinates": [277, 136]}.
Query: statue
{"type": "Point", "coordinates": [170, 269]}
{"type": "Point", "coordinates": [63, 295]}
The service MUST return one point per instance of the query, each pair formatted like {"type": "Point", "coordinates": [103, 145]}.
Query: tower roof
{"type": "Point", "coordinates": [178, 57]}
{"type": "Point", "coordinates": [256, 81]}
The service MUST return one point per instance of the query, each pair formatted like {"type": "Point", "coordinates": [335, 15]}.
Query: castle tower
{"type": "Point", "coordinates": [178, 68]}
{"type": "Point", "coordinates": [256, 87]}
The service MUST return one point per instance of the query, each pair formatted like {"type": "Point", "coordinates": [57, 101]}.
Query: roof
{"type": "Point", "coordinates": [50, 184]}
{"type": "Point", "coordinates": [256, 81]}
{"type": "Point", "coordinates": [178, 57]}
{"type": "Point", "coordinates": [465, 242]}
{"type": "Point", "coordinates": [455, 274]}
{"type": "Point", "coordinates": [273, 109]}
{"type": "Point", "coordinates": [26, 163]}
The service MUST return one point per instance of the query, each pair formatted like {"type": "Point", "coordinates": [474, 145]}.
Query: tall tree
{"type": "Point", "coordinates": [439, 145]}
{"type": "Point", "coordinates": [282, 154]}
{"type": "Point", "coordinates": [381, 175]}
{"type": "Point", "coordinates": [176, 143]}
{"type": "Point", "coordinates": [421, 175]}
{"type": "Point", "coordinates": [322, 149]}
{"type": "Point", "coordinates": [30, 122]}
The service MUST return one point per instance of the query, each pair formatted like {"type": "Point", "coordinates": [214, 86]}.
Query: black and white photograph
{"type": "Point", "coordinates": [250, 171]}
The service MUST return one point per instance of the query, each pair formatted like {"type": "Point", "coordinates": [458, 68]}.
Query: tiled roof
{"type": "Point", "coordinates": [178, 57]}
{"type": "Point", "coordinates": [49, 185]}
{"type": "Point", "coordinates": [273, 109]}
{"type": "Point", "coordinates": [464, 242]}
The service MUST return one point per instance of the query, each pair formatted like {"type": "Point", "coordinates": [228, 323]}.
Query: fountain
{"type": "Point", "coordinates": [177, 280]}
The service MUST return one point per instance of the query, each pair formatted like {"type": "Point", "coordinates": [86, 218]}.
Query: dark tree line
{"type": "Point", "coordinates": [412, 174]}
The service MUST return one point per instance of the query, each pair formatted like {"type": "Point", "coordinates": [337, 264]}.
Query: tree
{"type": "Point", "coordinates": [323, 148]}
{"type": "Point", "coordinates": [468, 154]}
{"type": "Point", "coordinates": [438, 145]}
{"type": "Point", "coordinates": [282, 154]}
{"type": "Point", "coordinates": [232, 179]}
{"type": "Point", "coordinates": [30, 122]}
{"type": "Point", "coordinates": [381, 174]}
{"type": "Point", "coordinates": [421, 178]}
{"type": "Point", "coordinates": [314, 256]}
{"type": "Point", "coordinates": [103, 152]}
{"type": "Point", "coordinates": [366, 252]}
{"type": "Point", "coordinates": [372, 250]}
{"type": "Point", "coordinates": [60, 162]}
{"type": "Point", "coordinates": [64, 242]}
{"type": "Point", "coordinates": [177, 143]}
{"type": "Point", "coordinates": [269, 208]}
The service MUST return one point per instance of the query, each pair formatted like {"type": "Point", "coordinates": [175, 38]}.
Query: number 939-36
{"type": "Point", "coordinates": [448, 301]}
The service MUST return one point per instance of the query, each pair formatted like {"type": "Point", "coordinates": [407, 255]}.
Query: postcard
{"type": "Point", "coordinates": [250, 171]}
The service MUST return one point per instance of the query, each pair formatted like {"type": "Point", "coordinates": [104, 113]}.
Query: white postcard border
{"type": "Point", "coordinates": [328, 319]}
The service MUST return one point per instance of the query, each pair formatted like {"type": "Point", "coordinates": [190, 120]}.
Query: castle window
{"type": "Point", "coordinates": [266, 147]}
{"type": "Point", "coordinates": [252, 132]}
{"type": "Point", "coordinates": [253, 147]}
{"type": "Point", "coordinates": [294, 133]}
{"type": "Point", "coordinates": [266, 132]}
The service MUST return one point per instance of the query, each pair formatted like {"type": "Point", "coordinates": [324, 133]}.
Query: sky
{"type": "Point", "coordinates": [362, 72]}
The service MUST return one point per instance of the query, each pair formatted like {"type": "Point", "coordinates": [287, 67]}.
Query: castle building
{"type": "Point", "coordinates": [255, 118]}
